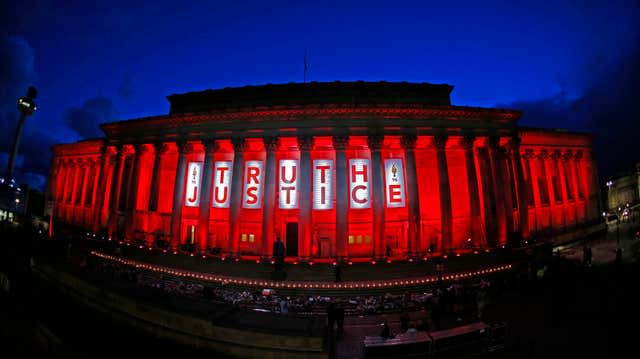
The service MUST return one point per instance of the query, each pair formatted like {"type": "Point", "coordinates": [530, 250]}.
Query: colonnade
{"type": "Point", "coordinates": [99, 192]}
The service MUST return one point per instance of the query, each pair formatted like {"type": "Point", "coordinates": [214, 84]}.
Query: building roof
{"type": "Point", "coordinates": [312, 93]}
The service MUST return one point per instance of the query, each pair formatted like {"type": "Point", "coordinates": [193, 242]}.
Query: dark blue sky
{"type": "Point", "coordinates": [570, 65]}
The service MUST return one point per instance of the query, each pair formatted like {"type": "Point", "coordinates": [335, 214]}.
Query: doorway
{"type": "Point", "coordinates": [292, 239]}
{"type": "Point", "coordinates": [189, 243]}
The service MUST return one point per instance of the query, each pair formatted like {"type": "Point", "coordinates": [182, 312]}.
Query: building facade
{"type": "Point", "coordinates": [336, 170]}
{"type": "Point", "coordinates": [624, 191]}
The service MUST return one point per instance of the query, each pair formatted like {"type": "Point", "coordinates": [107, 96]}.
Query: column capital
{"type": "Point", "coordinates": [158, 146]}
{"type": "Point", "coordinates": [375, 142]}
{"type": "Point", "coordinates": [505, 151]}
{"type": "Point", "coordinates": [529, 153]}
{"type": "Point", "coordinates": [493, 142]}
{"type": "Point", "coordinates": [137, 147]}
{"type": "Point", "coordinates": [567, 155]}
{"type": "Point", "coordinates": [515, 142]}
{"type": "Point", "coordinates": [408, 141]}
{"type": "Point", "coordinates": [578, 155]}
{"type": "Point", "coordinates": [439, 141]}
{"type": "Point", "coordinates": [119, 147]}
{"type": "Point", "coordinates": [556, 154]}
{"type": "Point", "coordinates": [271, 143]}
{"type": "Point", "coordinates": [305, 143]}
{"type": "Point", "coordinates": [340, 142]}
{"type": "Point", "coordinates": [183, 147]}
{"type": "Point", "coordinates": [210, 146]}
{"type": "Point", "coordinates": [238, 144]}
{"type": "Point", "coordinates": [543, 155]}
{"type": "Point", "coordinates": [467, 142]}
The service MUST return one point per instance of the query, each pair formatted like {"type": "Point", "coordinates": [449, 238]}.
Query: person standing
{"type": "Point", "coordinates": [404, 322]}
{"type": "Point", "coordinates": [331, 315]}
{"type": "Point", "coordinates": [386, 332]}
{"type": "Point", "coordinates": [340, 317]}
{"type": "Point", "coordinates": [338, 273]}
{"type": "Point", "coordinates": [278, 253]}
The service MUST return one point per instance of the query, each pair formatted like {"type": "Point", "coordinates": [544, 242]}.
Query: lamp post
{"type": "Point", "coordinates": [26, 106]}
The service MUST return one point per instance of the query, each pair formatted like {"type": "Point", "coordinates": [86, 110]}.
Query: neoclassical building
{"type": "Point", "coordinates": [336, 170]}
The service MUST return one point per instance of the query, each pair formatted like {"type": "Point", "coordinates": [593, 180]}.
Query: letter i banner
{"type": "Point", "coordinates": [194, 175]}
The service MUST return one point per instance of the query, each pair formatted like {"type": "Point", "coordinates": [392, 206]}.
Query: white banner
{"type": "Point", "coordinates": [359, 177]}
{"type": "Point", "coordinates": [223, 172]}
{"type": "Point", "coordinates": [194, 175]}
{"type": "Point", "coordinates": [394, 182]}
{"type": "Point", "coordinates": [253, 185]}
{"type": "Point", "coordinates": [322, 184]}
{"type": "Point", "coordinates": [288, 175]}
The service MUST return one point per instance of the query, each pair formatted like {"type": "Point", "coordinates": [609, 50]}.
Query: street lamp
{"type": "Point", "coordinates": [26, 106]}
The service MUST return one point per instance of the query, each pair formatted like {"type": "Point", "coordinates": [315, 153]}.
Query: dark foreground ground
{"type": "Point", "coordinates": [575, 310]}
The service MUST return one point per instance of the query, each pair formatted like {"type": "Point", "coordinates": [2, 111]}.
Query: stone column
{"type": "Point", "coordinates": [269, 205]}
{"type": "Point", "coordinates": [268, 212]}
{"type": "Point", "coordinates": [64, 173]}
{"type": "Point", "coordinates": [571, 169]}
{"type": "Point", "coordinates": [133, 190]}
{"type": "Point", "coordinates": [488, 193]}
{"type": "Point", "coordinates": [342, 196]}
{"type": "Point", "coordinates": [579, 175]}
{"type": "Point", "coordinates": [377, 181]}
{"type": "Point", "coordinates": [155, 179]}
{"type": "Point", "coordinates": [413, 197]}
{"type": "Point", "coordinates": [86, 168]}
{"type": "Point", "coordinates": [477, 236]}
{"type": "Point", "coordinates": [305, 143]}
{"type": "Point", "coordinates": [76, 180]}
{"type": "Point", "coordinates": [523, 200]}
{"type": "Point", "coordinates": [178, 194]}
{"type": "Point", "coordinates": [507, 174]}
{"type": "Point", "coordinates": [236, 194]}
{"type": "Point", "coordinates": [210, 146]}
{"type": "Point", "coordinates": [100, 190]}
{"type": "Point", "coordinates": [440, 143]}
{"type": "Point", "coordinates": [116, 183]}
{"type": "Point", "coordinates": [559, 172]}
{"type": "Point", "coordinates": [594, 189]}
{"type": "Point", "coordinates": [63, 191]}
{"type": "Point", "coordinates": [499, 188]}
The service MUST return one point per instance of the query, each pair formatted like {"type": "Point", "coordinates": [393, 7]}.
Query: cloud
{"type": "Point", "coordinates": [607, 107]}
{"type": "Point", "coordinates": [85, 120]}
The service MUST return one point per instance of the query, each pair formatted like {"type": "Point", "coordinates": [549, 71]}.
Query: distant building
{"type": "Point", "coordinates": [13, 199]}
{"type": "Point", "coordinates": [624, 191]}
{"type": "Point", "coordinates": [334, 169]}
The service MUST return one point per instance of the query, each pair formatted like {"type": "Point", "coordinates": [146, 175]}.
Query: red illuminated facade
{"type": "Point", "coordinates": [336, 170]}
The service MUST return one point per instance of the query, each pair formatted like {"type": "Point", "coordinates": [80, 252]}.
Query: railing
{"type": "Point", "coordinates": [472, 340]}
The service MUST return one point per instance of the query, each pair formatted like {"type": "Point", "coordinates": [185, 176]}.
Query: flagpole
{"type": "Point", "coordinates": [305, 66]}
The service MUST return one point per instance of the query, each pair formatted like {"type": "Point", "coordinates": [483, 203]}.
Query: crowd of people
{"type": "Point", "coordinates": [455, 298]}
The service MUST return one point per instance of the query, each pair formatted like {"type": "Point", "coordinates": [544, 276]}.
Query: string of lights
{"type": "Point", "coordinates": [372, 284]}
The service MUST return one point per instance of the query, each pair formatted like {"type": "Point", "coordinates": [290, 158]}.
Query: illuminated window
{"type": "Point", "coordinates": [350, 239]}
{"type": "Point", "coordinates": [359, 239]}
{"type": "Point", "coordinates": [252, 238]}
{"type": "Point", "coordinates": [367, 239]}
{"type": "Point", "coordinates": [243, 237]}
